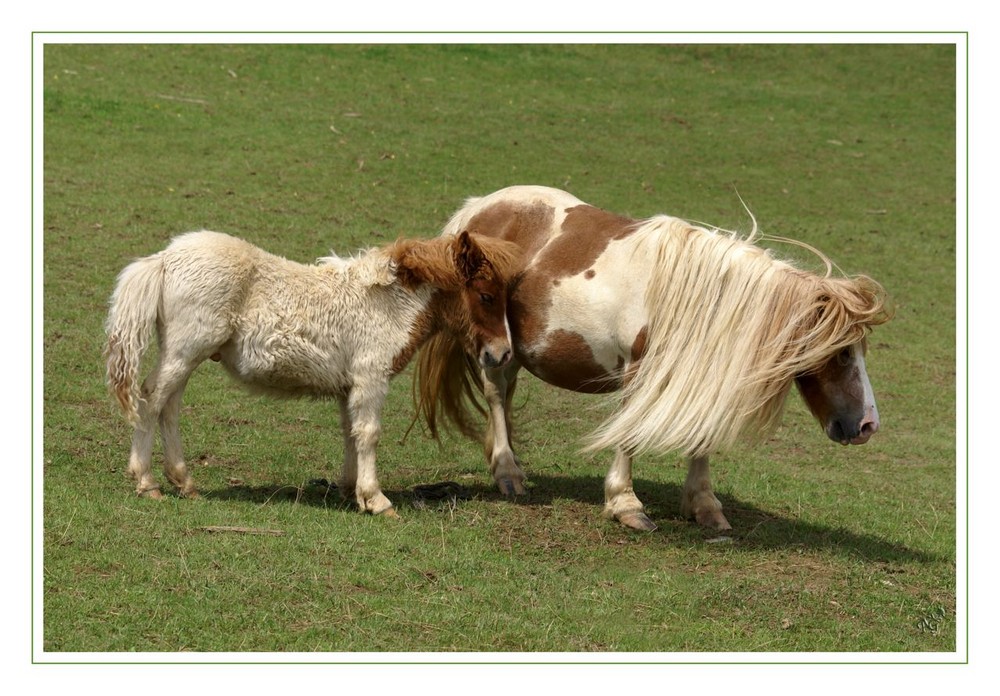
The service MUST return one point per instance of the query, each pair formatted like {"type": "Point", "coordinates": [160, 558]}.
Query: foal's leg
{"type": "Point", "coordinates": [364, 407]}
{"type": "Point", "coordinates": [698, 500]}
{"type": "Point", "coordinates": [620, 501]}
{"type": "Point", "coordinates": [161, 393]}
{"type": "Point", "coordinates": [498, 389]}
{"type": "Point", "coordinates": [174, 467]}
{"type": "Point", "coordinates": [349, 470]}
{"type": "Point", "coordinates": [141, 454]}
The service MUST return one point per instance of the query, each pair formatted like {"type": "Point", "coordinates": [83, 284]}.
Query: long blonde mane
{"type": "Point", "coordinates": [729, 328]}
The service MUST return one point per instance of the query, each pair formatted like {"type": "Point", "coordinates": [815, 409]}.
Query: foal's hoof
{"type": "Point", "coordinates": [637, 520]}
{"type": "Point", "coordinates": [389, 512]}
{"type": "Point", "coordinates": [511, 487]}
{"type": "Point", "coordinates": [152, 494]}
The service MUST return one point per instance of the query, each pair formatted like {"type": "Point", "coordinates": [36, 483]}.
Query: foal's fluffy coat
{"type": "Point", "coordinates": [340, 328]}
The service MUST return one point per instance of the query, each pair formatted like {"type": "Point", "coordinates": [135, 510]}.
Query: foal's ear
{"type": "Point", "coordinates": [469, 258]}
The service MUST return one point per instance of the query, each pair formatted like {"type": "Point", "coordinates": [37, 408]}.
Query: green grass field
{"type": "Point", "coordinates": [306, 148]}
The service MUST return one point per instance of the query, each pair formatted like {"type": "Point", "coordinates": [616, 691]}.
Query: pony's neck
{"type": "Point", "coordinates": [441, 314]}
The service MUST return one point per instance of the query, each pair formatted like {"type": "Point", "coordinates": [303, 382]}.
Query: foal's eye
{"type": "Point", "coordinates": [844, 357]}
{"type": "Point", "coordinates": [486, 298]}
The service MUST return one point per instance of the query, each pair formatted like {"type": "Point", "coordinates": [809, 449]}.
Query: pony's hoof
{"type": "Point", "coordinates": [637, 520]}
{"type": "Point", "coordinates": [713, 519]}
{"type": "Point", "coordinates": [152, 494]}
{"type": "Point", "coordinates": [389, 512]}
{"type": "Point", "coordinates": [511, 487]}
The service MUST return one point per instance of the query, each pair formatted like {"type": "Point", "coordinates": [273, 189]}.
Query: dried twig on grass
{"type": "Point", "coordinates": [243, 530]}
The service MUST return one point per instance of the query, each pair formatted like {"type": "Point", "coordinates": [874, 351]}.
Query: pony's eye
{"type": "Point", "coordinates": [486, 298]}
{"type": "Point", "coordinates": [844, 357]}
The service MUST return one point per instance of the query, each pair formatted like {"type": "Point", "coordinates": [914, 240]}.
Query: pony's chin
{"type": "Point", "coordinates": [859, 440]}
{"type": "Point", "coordinates": [837, 435]}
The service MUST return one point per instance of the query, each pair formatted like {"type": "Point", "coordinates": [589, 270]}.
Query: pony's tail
{"type": "Point", "coordinates": [446, 381]}
{"type": "Point", "coordinates": [132, 317]}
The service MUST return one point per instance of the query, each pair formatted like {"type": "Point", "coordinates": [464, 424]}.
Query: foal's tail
{"type": "Point", "coordinates": [447, 380]}
{"type": "Point", "coordinates": [135, 306]}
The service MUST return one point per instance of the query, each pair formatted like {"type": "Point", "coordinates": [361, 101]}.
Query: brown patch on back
{"type": "Point", "coordinates": [526, 225]}
{"type": "Point", "coordinates": [586, 233]}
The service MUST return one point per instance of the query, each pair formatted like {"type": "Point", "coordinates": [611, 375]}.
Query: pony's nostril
{"type": "Point", "coordinates": [869, 428]}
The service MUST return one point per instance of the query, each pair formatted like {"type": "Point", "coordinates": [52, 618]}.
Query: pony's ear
{"type": "Point", "coordinates": [469, 258]}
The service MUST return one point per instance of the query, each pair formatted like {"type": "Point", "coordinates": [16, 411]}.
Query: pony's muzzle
{"type": "Point", "coordinates": [494, 357]}
{"type": "Point", "coordinates": [855, 432]}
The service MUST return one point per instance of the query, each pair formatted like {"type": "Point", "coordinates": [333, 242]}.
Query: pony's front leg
{"type": "Point", "coordinates": [620, 501]}
{"type": "Point", "coordinates": [498, 389]}
{"type": "Point", "coordinates": [698, 500]}
{"type": "Point", "coordinates": [349, 469]}
{"type": "Point", "coordinates": [364, 411]}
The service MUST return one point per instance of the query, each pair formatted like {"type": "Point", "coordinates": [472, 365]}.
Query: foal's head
{"type": "Point", "coordinates": [484, 265]}
{"type": "Point", "coordinates": [473, 272]}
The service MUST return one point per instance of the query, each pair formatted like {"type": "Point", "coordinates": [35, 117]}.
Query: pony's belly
{"type": "Point", "coordinates": [294, 368]}
{"type": "Point", "coordinates": [565, 360]}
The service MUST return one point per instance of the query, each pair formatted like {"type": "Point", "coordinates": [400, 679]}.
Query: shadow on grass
{"type": "Point", "coordinates": [753, 527]}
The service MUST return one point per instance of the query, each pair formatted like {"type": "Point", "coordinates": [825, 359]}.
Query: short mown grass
{"type": "Point", "coordinates": [304, 149]}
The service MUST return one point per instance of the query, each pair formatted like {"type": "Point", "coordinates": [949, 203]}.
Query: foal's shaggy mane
{"type": "Point", "coordinates": [445, 263]}
{"type": "Point", "coordinates": [730, 327]}
{"type": "Point", "coordinates": [451, 263]}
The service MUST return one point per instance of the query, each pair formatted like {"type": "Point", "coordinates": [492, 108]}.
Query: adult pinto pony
{"type": "Point", "coordinates": [702, 332]}
{"type": "Point", "coordinates": [341, 328]}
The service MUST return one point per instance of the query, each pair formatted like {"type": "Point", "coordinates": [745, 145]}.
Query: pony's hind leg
{"type": "Point", "coordinates": [161, 403]}
{"type": "Point", "coordinates": [141, 453]}
{"type": "Point", "coordinates": [498, 389]}
{"type": "Point", "coordinates": [174, 466]}
{"type": "Point", "coordinates": [620, 501]}
{"type": "Point", "coordinates": [140, 456]}
{"type": "Point", "coordinates": [698, 501]}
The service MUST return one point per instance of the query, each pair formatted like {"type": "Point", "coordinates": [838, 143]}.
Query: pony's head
{"type": "Point", "coordinates": [836, 387]}
{"type": "Point", "coordinates": [473, 272]}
